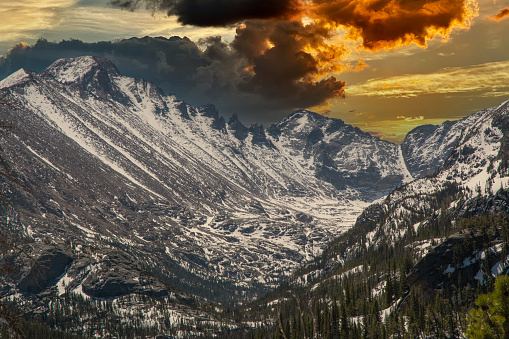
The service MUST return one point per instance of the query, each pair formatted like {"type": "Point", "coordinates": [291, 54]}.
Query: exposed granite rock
{"type": "Point", "coordinates": [120, 282]}
{"type": "Point", "coordinates": [52, 263]}
{"type": "Point", "coordinates": [451, 262]}
{"type": "Point", "coordinates": [239, 130]}
{"type": "Point", "coordinates": [117, 274]}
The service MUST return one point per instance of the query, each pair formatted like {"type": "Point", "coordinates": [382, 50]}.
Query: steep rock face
{"type": "Point", "coordinates": [117, 274]}
{"type": "Point", "coordinates": [413, 148]}
{"type": "Point", "coordinates": [444, 263]}
{"type": "Point", "coordinates": [238, 129]}
{"type": "Point", "coordinates": [427, 147]}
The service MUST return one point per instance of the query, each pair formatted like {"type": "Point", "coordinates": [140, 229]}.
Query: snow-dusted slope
{"type": "Point", "coordinates": [472, 180]}
{"type": "Point", "coordinates": [433, 143]}
{"type": "Point", "coordinates": [450, 224]}
{"type": "Point", "coordinates": [340, 154]}
{"type": "Point", "coordinates": [114, 161]}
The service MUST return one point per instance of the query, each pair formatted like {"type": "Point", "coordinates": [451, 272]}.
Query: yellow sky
{"type": "Point", "coordinates": [491, 79]}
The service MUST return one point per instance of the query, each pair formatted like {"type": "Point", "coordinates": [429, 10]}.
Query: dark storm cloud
{"type": "Point", "coordinates": [279, 66]}
{"type": "Point", "coordinates": [267, 57]}
{"type": "Point", "coordinates": [381, 24]}
{"type": "Point", "coordinates": [208, 13]}
{"type": "Point", "coordinates": [215, 74]}
{"type": "Point", "coordinates": [287, 53]}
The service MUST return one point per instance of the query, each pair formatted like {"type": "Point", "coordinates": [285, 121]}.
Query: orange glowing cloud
{"type": "Point", "coordinates": [385, 24]}
{"type": "Point", "coordinates": [322, 27]}
{"type": "Point", "coordinates": [504, 13]}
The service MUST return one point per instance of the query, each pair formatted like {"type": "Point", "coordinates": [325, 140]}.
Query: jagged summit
{"type": "Point", "coordinates": [305, 121]}
{"type": "Point", "coordinates": [304, 112]}
{"type": "Point", "coordinates": [80, 69]}
{"type": "Point", "coordinates": [302, 118]}
{"type": "Point", "coordinates": [237, 127]}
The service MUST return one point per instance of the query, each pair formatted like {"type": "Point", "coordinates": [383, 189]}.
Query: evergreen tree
{"type": "Point", "coordinates": [491, 318]}
{"type": "Point", "coordinates": [335, 328]}
{"type": "Point", "coordinates": [345, 328]}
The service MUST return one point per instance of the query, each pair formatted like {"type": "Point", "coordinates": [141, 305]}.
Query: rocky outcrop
{"type": "Point", "coordinates": [120, 281]}
{"type": "Point", "coordinates": [456, 260]}
{"type": "Point", "coordinates": [51, 262]}
{"type": "Point", "coordinates": [116, 275]}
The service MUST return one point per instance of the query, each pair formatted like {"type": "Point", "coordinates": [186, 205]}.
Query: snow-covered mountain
{"type": "Point", "coordinates": [126, 190]}
{"type": "Point", "coordinates": [471, 179]}
{"type": "Point", "coordinates": [476, 167]}
{"type": "Point", "coordinates": [432, 245]}
{"type": "Point", "coordinates": [114, 162]}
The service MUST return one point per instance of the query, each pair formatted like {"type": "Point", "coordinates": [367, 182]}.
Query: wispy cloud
{"type": "Point", "coordinates": [401, 117]}
{"type": "Point", "coordinates": [504, 13]}
{"type": "Point", "coordinates": [95, 21]}
{"type": "Point", "coordinates": [489, 79]}
{"type": "Point", "coordinates": [64, 19]}
{"type": "Point", "coordinates": [19, 19]}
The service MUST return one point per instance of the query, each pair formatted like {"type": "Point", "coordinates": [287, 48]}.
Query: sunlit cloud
{"type": "Point", "coordinates": [489, 79]}
{"type": "Point", "coordinates": [94, 21]}
{"type": "Point", "coordinates": [64, 19]}
{"type": "Point", "coordinates": [402, 117]}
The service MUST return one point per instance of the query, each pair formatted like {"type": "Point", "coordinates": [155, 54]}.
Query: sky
{"type": "Point", "coordinates": [385, 66]}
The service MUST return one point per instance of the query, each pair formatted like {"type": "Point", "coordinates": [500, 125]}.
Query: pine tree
{"type": "Point", "coordinates": [335, 327]}
{"type": "Point", "coordinates": [389, 290]}
{"type": "Point", "coordinates": [345, 327]}
{"type": "Point", "coordinates": [491, 318]}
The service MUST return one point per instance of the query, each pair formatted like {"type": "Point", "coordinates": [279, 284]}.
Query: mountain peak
{"type": "Point", "coordinates": [305, 113]}
{"type": "Point", "coordinates": [303, 120]}
{"type": "Point", "coordinates": [239, 130]}
{"type": "Point", "coordinates": [15, 78]}
{"type": "Point", "coordinates": [80, 68]}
